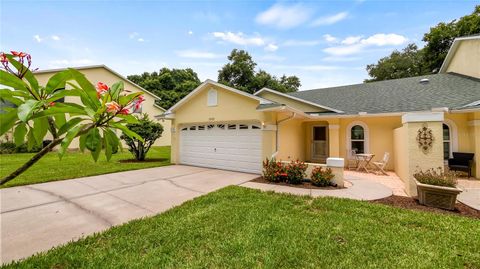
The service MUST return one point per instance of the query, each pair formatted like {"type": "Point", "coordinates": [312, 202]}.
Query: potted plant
{"type": "Point", "coordinates": [437, 188]}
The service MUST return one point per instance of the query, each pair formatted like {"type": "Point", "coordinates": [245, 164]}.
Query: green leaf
{"type": "Point", "coordinates": [83, 140]}
{"type": "Point", "coordinates": [67, 140]}
{"type": "Point", "coordinates": [98, 149]}
{"type": "Point", "coordinates": [7, 121]}
{"type": "Point", "coordinates": [93, 139]}
{"type": "Point", "coordinates": [124, 100]}
{"type": "Point", "coordinates": [128, 118]}
{"type": "Point", "coordinates": [31, 139]}
{"type": "Point", "coordinates": [112, 141]}
{"type": "Point", "coordinates": [58, 81]}
{"type": "Point", "coordinates": [40, 129]}
{"type": "Point", "coordinates": [60, 120]}
{"type": "Point", "coordinates": [20, 133]}
{"type": "Point", "coordinates": [68, 125]}
{"type": "Point", "coordinates": [85, 85]}
{"type": "Point", "coordinates": [61, 108]}
{"type": "Point", "coordinates": [108, 146]}
{"type": "Point", "coordinates": [28, 75]}
{"type": "Point", "coordinates": [116, 89]}
{"type": "Point", "coordinates": [62, 93]}
{"type": "Point", "coordinates": [25, 110]}
{"type": "Point", "coordinates": [14, 100]}
{"type": "Point", "coordinates": [13, 81]}
{"type": "Point", "coordinates": [127, 131]}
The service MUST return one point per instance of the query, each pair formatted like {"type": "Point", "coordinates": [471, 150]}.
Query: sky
{"type": "Point", "coordinates": [324, 43]}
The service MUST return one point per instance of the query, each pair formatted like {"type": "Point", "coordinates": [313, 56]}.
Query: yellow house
{"type": "Point", "coordinates": [222, 127]}
{"type": "Point", "coordinates": [102, 73]}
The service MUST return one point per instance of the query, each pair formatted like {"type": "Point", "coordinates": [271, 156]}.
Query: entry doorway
{"type": "Point", "coordinates": [319, 150]}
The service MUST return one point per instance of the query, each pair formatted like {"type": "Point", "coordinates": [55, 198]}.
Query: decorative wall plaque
{"type": "Point", "coordinates": [425, 138]}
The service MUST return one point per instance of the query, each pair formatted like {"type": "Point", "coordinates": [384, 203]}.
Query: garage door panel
{"type": "Point", "coordinates": [237, 149]}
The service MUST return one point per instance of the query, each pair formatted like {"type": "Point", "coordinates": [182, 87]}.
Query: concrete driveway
{"type": "Point", "coordinates": [37, 217]}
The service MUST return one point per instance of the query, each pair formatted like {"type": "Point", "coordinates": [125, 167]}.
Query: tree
{"type": "Point", "coordinates": [240, 73]}
{"type": "Point", "coordinates": [37, 111]}
{"type": "Point", "coordinates": [149, 130]}
{"type": "Point", "coordinates": [400, 64]}
{"type": "Point", "coordinates": [412, 61]}
{"type": "Point", "coordinates": [170, 85]}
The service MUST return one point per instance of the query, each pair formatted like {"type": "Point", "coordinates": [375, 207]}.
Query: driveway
{"type": "Point", "coordinates": [37, 217]}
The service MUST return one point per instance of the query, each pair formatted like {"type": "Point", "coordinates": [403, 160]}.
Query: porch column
{"type": "Point", "coordinates": [334, 140]}
{"type": "Point", "coordinates": [474, 127]}
{"type": "Point", "coordinates": [421, 153]}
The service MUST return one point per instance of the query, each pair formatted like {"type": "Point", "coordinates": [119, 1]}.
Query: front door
{"type": "Point", "coordinates": [319, 144]}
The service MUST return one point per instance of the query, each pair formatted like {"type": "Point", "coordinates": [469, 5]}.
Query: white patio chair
{"type": "Point", "coordinates": [352, 159]}
{"type": "Point", "coordinates": [382, 164]}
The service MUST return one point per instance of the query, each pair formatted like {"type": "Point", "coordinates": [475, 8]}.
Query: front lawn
{"type": "Point", "coordinates": [242, 228]}
{"type": "Point", "coordinates": [75, 164]}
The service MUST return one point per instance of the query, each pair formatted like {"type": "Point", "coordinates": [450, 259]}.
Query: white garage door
{"type": "Point", "coordinates": [236, 147]}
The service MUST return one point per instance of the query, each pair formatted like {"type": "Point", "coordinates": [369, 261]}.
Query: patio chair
{"type": "Point", "coordinates": [382, 164]}
{"type": "Point", "coordinates": [352, 159]}
{"type": "Point", "coordinates": [461, 162]}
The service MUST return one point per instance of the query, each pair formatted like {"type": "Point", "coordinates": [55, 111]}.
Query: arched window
{"type": "Point", "coordinates": [357, 137]}
{"type": "Point", "coordinates": [450, 142]}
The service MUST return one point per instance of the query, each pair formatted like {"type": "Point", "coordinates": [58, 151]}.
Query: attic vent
{"type": "Point", "coordinates": [424, 81]}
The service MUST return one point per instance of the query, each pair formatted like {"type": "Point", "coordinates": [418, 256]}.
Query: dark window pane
{"type": "Point", "coordinates": [319, 133]}
{"type": "Point", "coordinates": [358, 146]}
{"type": "Point", "coordinates": [446, 132]}
{"type": "Point", "coordinates": [446, 150]}
{"type": "Point", "coordinates": [357, 132]}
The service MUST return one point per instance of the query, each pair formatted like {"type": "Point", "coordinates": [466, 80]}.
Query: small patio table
{"type": "Point", "coordinates": [364, 160]}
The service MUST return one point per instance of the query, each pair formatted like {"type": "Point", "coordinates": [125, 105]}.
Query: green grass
{"type": "Point", "coordinates": [242, 228]}
{"type": "Point", "coordinates": [74, 164]}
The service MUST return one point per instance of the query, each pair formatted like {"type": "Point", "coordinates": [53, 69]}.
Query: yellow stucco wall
{"type": "Point", "coordinates": [95, 75]}
{"type": "Point", "coordinates": [290, 102]}
{"type": "Point", "coordinates": [400, 153]}
{"type": "Point", "coordinates": [231, 107]}
{"type": "Point", "coordinates": [466, 59]}
{"type": "Point", "coordinates": [291, 139]}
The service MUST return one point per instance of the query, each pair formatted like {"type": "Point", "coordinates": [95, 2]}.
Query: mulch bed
{"type": "Point", "coordinates": [152, 160]}
{"type": "Point", "coordinates": [410, 203]}
{"type": "Point", "coordinates": [303, 185]}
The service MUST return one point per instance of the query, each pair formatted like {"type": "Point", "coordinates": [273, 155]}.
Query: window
{"type": "Point", "coordinates": [357, 137]}
{"type": "Point", "coordinates": [242, 126]}
{"type": "Point", "coordinates": [255, 127]}
{"type": "Point", "coordinates": [212, 97]}
{"type": "Point", "coordinates": [192, 128]}
{"type": "Point", "coordinates": [210, 126]}
{"type": "Point", "coordinates": [184, 129]}
{"type": "Point", "coordinates": [446, 142]}
{"type": "Point", "coordinates": [221, 126]}
{"type": "Point", "coordinates": [232, 126]}
{"type": "Point", "coordinates": [201, 127]}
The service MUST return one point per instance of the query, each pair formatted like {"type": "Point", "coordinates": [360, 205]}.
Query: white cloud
{"type": "Point", "coordinates": [239, 38]}
{"type": "Point", "coordinates": [385, 40]}
{"type": "Point", "coordinates": [301, 43]}
{"type": "Point", "coordinates": [354, 45]}
{"type": "Point", "coordinates": [190, 32]}
{"type": "Point", "coordinates": [330, 38]}
{"type": "Point", "coordinates": [56, 37]}
{"type": "Point", "coordinates": [351, 40]}
{"type": "Point", "coordinates": [69, 62]}
{"type": "Point", "coordinates": [141, 40]}
{"type": "Point", "coordinates": [38, 38]}
{"type": "Point", "coordinates": [271, 47]}
{"type": "Point", "coordinates": [133, 35]}
{"type": "Point", "coordinates": [327, 20]}
{"type": "Point", "coordinates": [195, 54]}
{"type": "Point", "coordinates": [283, 16]}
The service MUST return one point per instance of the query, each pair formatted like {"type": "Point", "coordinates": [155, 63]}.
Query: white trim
{"type": "Point", "coordinates": [366, 136]}
{"type": "Point", "coordinates": [212, 97]}
{"type": "Point", "coordinates": [298, 99]}
{"type": "Point", "coordinates": [474, 123]}
{"type": "Point", "coordinates": [98, 66]}
{"type": "Point", "coordinates": [453, 135]}
{"type": "Point", "coordinates": [335, 162]}
{"type": "Point", "coordinates": [159, 107]}
{"type": "Point", "coordinates": [453, 50]}
{"type": "Point", "coordinates": [209, 81]}
{"type": "Point", "coordinates": [422, 117]}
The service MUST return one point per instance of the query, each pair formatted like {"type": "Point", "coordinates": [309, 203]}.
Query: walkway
{"type": "Point", "coordinates": [471, 192]}
{"type": "Point", "coordinates": [38, 217]}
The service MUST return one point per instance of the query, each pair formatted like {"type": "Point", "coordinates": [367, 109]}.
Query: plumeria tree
{"type": "Point", "coordinates": [39, 110]}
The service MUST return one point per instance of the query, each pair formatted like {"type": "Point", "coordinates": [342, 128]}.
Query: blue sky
{"type": "Point", "coordinates": [325, 43]}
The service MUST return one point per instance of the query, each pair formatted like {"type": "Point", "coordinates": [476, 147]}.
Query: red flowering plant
{"type": "Point", "coordinates": [322, 177]}
{"type": "Point", "coordinates": [37, 111]}
{"type": "Point", "coordinates": [296, 172]}
{"type": "Point", "coordinates": [273, 170]}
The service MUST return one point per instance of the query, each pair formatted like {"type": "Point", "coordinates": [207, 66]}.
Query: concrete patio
{"type": "Point", "coordinates": [38, 217]}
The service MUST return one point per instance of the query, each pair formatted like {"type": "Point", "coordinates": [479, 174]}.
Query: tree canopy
{"type": "Point", "coordinates": [412, 61]}
{"type": "Point", "coordinates": [170, 85]}
{"type": "Point", "coordinates": [240, 73]}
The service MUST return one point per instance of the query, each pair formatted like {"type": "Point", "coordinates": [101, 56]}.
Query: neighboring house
{"type": "Point", "coordinates": [218, 126]}
{"type": "Point", "coordinates": [101, 73]}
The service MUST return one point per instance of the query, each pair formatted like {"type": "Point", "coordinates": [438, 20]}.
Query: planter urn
{"type": "Point", "coordinates": [437, 196]}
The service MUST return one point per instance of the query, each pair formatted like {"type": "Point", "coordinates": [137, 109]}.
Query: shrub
{"type": "Point", "coordinates": [436, 177]}
{"type": "Point", "coordinates": [322, 177]}
{"type": "Point", "coordinates": [296, 172]}
{"type": "Point", "coordinates": [273, 171]}
{"type": "Point", "coordinates": [7, 147]}
{"type": "Point", "coordinates": [23, 148]}
{"type": "Point", "coordinates": [148, 130]}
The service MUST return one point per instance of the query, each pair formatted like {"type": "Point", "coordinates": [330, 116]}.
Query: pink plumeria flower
{"type": "Point", "coordinates": [112, 107]}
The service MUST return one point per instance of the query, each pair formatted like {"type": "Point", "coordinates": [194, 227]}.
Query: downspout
{"type": "Point", "coordinates": [276, 132]}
